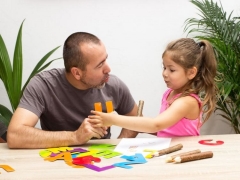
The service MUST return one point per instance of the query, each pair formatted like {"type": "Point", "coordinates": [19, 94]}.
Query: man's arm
{"type": "Point", "coordinates": [22, 133]}
{"type": "Point", "coordinates": [125, 133]}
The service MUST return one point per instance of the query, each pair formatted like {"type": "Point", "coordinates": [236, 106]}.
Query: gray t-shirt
{"type": "Point", "coordinates": [60, 106]}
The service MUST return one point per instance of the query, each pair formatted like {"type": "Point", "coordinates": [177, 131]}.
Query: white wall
{"type": "Point", "coordinates": [135, 33]}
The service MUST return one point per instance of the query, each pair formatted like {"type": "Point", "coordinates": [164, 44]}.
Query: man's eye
{"type": "Point", "coordinates": [100, 65]}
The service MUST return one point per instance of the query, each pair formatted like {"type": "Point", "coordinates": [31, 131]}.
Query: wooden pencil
{"type": "Point", "coordinates": [167, 150]}
{"type": "Point", "coordinates": [193, 157]}
{"type": "Point", "coordinates": [140, 108]}
{"type": "Point", "coordinates": [171, 158]}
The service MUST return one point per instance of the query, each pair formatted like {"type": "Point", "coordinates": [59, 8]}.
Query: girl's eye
{"type": "Point", "coordinates": [172, 70]}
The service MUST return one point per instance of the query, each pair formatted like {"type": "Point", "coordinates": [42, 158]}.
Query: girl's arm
{"type": "Point", "coordinates": [180, 108]}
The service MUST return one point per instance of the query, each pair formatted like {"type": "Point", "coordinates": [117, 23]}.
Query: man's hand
{"type": "Point", "coordinates": [86, 132]}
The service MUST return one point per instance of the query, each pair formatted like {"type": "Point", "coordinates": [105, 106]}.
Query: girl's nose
{"type": "Point", "coordinates": [164, 73]}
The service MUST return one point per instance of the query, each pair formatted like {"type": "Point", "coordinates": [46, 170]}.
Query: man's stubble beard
{"type": "Point", "coordinates": [99, 86]}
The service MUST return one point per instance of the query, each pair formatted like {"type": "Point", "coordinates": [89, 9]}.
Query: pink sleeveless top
{"type": "Point", "coordinates": [184, 127]}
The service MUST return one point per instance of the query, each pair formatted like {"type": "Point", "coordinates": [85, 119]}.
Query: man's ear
{"type": "Point", "coordinates": [192, 73]}
{"type": "Point", "coordinates": [76, 72]}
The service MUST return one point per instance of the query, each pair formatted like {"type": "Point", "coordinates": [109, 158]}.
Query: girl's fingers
{"type": "Point", "coordinates": [94, 117]}
{"type": "Point", "coordinates": [95, 112]}
{"type": "Point", "coordinates": [97, 125]}
{"type": "Point", "coordinates": [93, 120]}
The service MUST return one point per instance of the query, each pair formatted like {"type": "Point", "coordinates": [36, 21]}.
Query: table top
{"type": "Point", "coordinates": [28, 164]}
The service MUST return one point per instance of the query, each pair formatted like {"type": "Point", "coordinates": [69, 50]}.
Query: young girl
{"type": "Point", "coordinates": [189, 69]}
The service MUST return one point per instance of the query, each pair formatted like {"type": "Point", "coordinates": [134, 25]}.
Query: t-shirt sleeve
{"type": "Point", "coordinates": [31, 98]}
{"type": "Point", "coordinates": [126, 101]}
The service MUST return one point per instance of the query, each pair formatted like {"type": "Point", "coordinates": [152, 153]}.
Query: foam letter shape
{"type": "Point", "coordinates": [150, 155]}
{"type": "Point", "coordinates": [64, 155]}
{"type": "Point", "coordinates": [109, 106]}
{"type": "Point", "coordinates": [72, 150]}
{"type": "Point", "coordinates": [98, 106]}
{"type": "Point", "coordinates": [98, 169]}
{"type": "Point", "coordinates": [106, 154]}
{"type": "Point", "coordinates": [102, 146]}
{"type": "Point", "coordinates": [90, 152]}
{"type": "Point", "coordinates": [60, 149]}
{"type": "Point", "coordinates": [45, 153]}
{"type": "Point", "coordinates": [7, 168]}
{"type": "Point", "coordinates": [85, 160]}
{"type": "Point", "coordinates": [208, 142]}
{"type": "Point", "coordinates": [53, 151]}
{"type": "Point", "coordinates": [136, 159]}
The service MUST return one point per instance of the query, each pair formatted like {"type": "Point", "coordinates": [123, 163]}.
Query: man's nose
{"type": "Point", "coordinates": [107, 68]}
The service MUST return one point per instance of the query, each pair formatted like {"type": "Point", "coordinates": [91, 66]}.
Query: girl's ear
{"type": "Point", "coordinates": [76, 72]}
{"type": "Point", "coordinates": [192, 73]}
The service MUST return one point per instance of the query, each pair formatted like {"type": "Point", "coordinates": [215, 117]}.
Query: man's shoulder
{"type": "Point", "coordinates": [51, 73]}
{"type": "Point", "coordinates": [46, 77]}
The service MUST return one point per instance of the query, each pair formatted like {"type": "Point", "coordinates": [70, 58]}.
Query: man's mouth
{"type": "Point", "coordinates": [106, 79]}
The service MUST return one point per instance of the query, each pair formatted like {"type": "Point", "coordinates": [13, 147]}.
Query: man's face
{"type": "Point", "coordinates": [97, 69]}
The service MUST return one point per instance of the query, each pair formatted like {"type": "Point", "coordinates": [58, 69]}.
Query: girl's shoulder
{"type": "Point", "coordinates": [191, 100]}
{"type": "Point", "coordinates": [195, 96]}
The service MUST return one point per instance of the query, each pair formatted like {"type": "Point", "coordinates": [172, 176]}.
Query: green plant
{"type": "Point", "coordinates": [223, 31]}
{"type": "Point", "coordinates": [11, 74]}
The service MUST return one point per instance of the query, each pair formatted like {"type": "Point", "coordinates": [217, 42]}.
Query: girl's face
{"type": "Point", "coordinates": [174, 75]}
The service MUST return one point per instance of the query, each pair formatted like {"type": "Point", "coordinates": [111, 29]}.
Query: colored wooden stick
{"type": "Point", "coordinates": [193, 157]}
{"type": "Point", "coordinates": [171, 158]}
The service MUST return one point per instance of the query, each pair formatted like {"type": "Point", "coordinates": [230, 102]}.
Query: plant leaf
{"type": "Point", "coordinates": [5, 69]}
{"type": "Point", "coordinates": [17, 69]}
{"type": "Point", "coordinates": [5, 115]}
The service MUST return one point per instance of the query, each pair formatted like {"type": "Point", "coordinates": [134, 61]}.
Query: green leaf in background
{"type": "Point", "coordinates": [11, 75]}
{"type": "Point", "coordinates": [223, 31]}
{"type": "Point", "coordinates": [5, 115]}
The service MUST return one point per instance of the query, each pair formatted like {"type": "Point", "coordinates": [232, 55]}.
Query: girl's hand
{"type": "Point", "coordinates": [100, 119]}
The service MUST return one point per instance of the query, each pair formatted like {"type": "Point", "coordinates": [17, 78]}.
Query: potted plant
{"type": "Point", "coordinates": [223, 31]}
{"type": "Point", "coordinates": [11, 75]}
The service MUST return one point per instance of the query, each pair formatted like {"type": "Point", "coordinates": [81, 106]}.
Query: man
{"type": "Point", "coordinates": [62, 99]}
